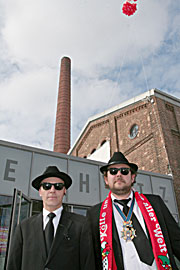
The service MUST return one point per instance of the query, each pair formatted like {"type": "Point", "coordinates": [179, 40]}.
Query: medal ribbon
{"type": "Point", "coordinates": [128, 217]}
{"type": "Point", "coordinates": [157, 238]}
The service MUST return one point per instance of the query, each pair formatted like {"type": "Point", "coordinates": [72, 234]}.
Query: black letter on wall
{"type": "Point", "coordinates": [140, 185]}
{"type": "Point", "coordinates": [86, 183]}
{"type": "Point", "coordinates": [8, 170]}
{"type": "Point", "coordinates": [163, 193]}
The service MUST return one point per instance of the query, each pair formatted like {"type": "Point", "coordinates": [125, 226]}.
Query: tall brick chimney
{"type": "Point", "coordinates": [63, 118]}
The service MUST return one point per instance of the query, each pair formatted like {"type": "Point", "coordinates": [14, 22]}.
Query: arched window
{"type": "Point", "coordinates": [93, 151]}
{"type": "Point", "coordinates": [133, 131]}
{"type": "Point", "coordinates": [103, 142]}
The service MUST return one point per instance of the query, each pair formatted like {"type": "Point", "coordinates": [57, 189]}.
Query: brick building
{"type": "Point", "coordinates": [145, 128]}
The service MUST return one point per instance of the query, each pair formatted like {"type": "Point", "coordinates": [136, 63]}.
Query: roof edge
{"type": "Point", "coordinates": [143, 96]}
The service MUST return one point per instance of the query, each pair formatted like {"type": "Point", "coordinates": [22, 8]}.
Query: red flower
{"type": "Point", "coordinates": [129, 9]}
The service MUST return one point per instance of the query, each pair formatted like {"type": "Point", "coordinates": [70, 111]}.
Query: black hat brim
{"type": "Point", "coordinates": [133, 166]}
{"type": "Point", "coordinates": [65, 177]}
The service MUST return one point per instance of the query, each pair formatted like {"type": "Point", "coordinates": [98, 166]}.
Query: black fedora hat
{"type": "Point", "coordinates": [52, 171]}
{"type": "Point", "coordinates": [119, 158]}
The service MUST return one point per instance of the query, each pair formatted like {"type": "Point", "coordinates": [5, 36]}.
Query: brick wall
{"type": "Point", "coordinates": [170, 122]}
{"type": "Point", "coordinates": [156, 147]}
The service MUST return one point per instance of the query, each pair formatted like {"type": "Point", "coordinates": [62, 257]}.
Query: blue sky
{"type": "Point", "coordinates": [114, 58]}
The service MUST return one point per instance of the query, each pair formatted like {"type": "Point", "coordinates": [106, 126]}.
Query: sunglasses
{"type": "Point", "coordinates": [114, 171]}
{"type": "Point", "coordinates": [47, 186]}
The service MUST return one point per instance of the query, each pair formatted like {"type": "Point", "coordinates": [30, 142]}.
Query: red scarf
{"type": "Point", "coordinates": [157, 239]}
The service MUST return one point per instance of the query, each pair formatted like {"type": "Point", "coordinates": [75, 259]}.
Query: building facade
{"type": "Point", "coordinates": [19, 165]}
{"type": "Point", "coordinates": [146, 129]}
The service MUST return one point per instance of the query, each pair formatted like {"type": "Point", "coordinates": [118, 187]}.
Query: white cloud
{"type": "Point", "coordinates": [114, 57]}
{"type": "Point", "coordinates": [28, 107]}
{"type": "Point", "coordinates": [93, 34]}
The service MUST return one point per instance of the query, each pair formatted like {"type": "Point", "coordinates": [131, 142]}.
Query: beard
{"type": "Point", "coordinates": [125, 189]}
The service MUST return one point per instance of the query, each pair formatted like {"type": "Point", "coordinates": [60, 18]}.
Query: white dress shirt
{"type": "Point", "coordinates": [130, 255]}
{"type": "Point", "coordinates": [56, 219]}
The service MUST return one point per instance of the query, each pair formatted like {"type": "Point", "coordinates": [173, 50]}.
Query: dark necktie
{"type": "Point", "coordinates": [49, 232]}
{"type": "Point", "coordinates": [141, 241]}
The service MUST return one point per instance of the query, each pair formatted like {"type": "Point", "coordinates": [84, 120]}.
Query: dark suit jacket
{"type": "Point", "coordinates": [71, 249]}
{"type": "Point", "coordinates": [170, 229]}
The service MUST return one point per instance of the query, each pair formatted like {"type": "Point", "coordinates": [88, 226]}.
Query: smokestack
{"type": "Point", "coordinates": [62, 128]}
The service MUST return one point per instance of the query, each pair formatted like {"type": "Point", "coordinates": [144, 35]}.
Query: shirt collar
{"type": "Point", "coordinates": [57, 212]}
{"type": "Point", "coordinates": [130, 196]}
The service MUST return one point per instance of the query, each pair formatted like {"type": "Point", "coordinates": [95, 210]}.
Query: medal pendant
{"type": "Point", "coordinates": [128, 232]}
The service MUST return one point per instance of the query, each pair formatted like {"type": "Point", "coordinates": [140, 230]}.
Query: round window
{"type": "Point", "coordinates": [133, 131]}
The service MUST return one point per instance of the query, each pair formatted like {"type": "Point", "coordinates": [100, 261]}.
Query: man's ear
{"type": "Point", "coordinates": [133, 176]}
{"type": "Point", "coordinates": [105, 180]}
{"type": "Point", "coordinates": [40, 192]}
{"type": "Point", "coordinates": [106, 184]}
{"type": "Point", "coordinates": [65, 191]}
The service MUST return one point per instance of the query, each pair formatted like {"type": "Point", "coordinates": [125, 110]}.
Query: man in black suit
{"type": "Point", "coordinates": [57, 241]}
{"type": "Point", "coordinates": [132, 231]}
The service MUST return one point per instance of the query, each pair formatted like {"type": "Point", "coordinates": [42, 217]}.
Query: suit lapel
{"type": "Point", "coordinates": [39, 234]}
